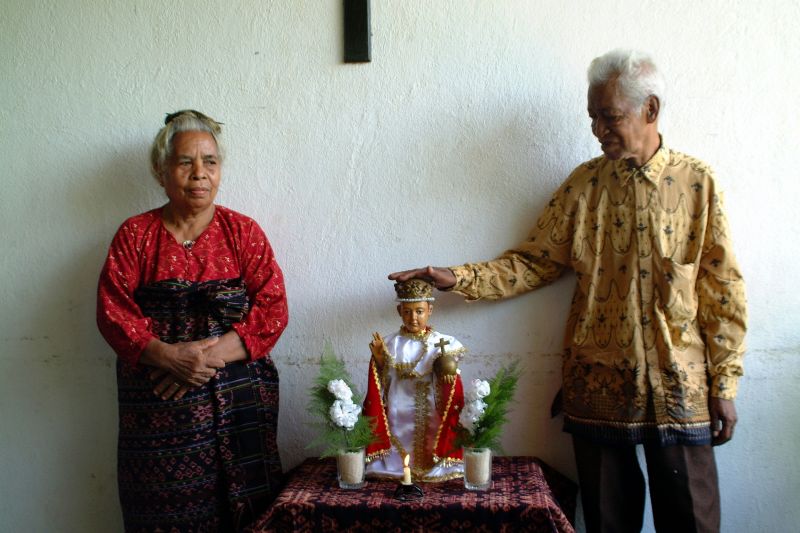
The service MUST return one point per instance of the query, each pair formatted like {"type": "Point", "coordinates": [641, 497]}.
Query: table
{"type": "Point", "coordinates": [526, 495]}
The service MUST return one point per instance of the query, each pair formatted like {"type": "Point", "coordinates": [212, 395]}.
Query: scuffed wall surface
{"type": "Point", "coordinates": [441, 150]}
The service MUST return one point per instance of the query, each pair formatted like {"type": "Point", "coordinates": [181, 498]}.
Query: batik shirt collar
{"type": "Point", "coordinates": [651, 170]}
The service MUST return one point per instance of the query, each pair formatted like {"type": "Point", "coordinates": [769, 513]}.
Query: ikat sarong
{"type": "Point", "coordinates": [209, 461]}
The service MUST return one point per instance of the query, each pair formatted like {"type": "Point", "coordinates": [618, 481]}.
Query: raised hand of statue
{"type": "Point", "coordinates": [378, 349]}
{"type": "Point", "coordinates": [442, 278]}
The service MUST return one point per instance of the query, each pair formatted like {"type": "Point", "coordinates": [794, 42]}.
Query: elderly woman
{"type": "Point", "coordinates": [192, 301]}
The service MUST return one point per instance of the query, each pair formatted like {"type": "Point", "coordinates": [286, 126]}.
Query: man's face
{"type": "Point", "coordinates": [415, 315]}
{"type": "Point", "coordinates": [621, 127]}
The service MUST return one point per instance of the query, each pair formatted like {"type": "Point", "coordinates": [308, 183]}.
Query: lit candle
{"type": "Point", "coordinates": [406, 472]}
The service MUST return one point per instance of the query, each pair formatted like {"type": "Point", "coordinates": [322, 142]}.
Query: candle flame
{"type": "Point", "coordinates": [405, 461]}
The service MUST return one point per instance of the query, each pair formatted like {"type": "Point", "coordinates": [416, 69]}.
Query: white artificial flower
{"type": "Point", "coordinates": [478, 389]}
{"type": "Point", "coordinates": [471, 413]}
{"type": "Point", "coordinates": [345, 413]}
{"type": "Point", "coordinates": [466, 421]}
{"type": "Point", "coordinates": [339, 388]}
{"type": "Point", "coordinates": [482, 388]}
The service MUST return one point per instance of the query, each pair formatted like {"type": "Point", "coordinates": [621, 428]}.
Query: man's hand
{"type": "Point", "coordinates": [723, 419]}
{"type": "Point", "coordinates": [442, 278]}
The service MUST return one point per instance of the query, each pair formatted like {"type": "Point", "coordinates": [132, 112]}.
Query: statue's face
{"type": "Point", "coordinates": [415, 315]}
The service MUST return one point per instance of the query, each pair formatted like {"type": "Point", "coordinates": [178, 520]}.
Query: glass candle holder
{"type": "Point", "coordinates": [477, 468]}
{"type": "Point", "coordinates": [350, 468]}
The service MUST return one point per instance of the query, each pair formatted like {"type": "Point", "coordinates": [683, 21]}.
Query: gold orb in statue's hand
{"type": "Point", "coordinates": [445, 365]}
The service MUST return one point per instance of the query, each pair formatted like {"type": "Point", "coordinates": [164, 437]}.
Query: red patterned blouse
{"type": "Point", "coordinates": [144, 252]}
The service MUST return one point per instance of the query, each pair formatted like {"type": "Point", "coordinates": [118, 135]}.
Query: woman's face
{"type": "Point", "coordinates": [193, 171]}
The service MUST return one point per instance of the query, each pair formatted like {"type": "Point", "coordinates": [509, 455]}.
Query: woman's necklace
{"type": "Point", "coordinates": [406, 370]}
{"type": "Point", "coordinates": [173, 226]}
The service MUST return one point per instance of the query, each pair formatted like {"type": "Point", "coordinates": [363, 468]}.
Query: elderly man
{"type": "Point", "coordinates": [655, 336]}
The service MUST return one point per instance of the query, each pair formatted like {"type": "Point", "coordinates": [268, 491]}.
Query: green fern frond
{"type": "Point", "coordinates": [331, 437]}
{"type": "Point", "coordinates": [489, 429]}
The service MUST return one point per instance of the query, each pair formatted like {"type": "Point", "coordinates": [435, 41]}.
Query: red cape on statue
{"type": "Point", "coordinates": [444, 445]}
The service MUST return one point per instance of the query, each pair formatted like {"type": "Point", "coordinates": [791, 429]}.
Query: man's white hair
{"type": "Point", "coordinates": [636, 73]}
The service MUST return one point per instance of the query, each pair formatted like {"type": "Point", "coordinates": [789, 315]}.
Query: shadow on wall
{"type": "Point", "coordinates": [66, 399]}
{"type": "Point", "coordinates": [482, 181]}
{"type": "Point", "coordinates": [111, 192]}
{"type": "Point", "coordinates": [494, 177]}
{"type": "Point", "coordinates": [119, 188]}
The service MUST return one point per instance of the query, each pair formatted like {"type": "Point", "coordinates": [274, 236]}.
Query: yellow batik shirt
{"type": "Point", "coordinates": [658, 316]}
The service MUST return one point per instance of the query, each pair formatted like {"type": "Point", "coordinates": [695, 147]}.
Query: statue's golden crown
{"type": "Point", "coordinates": [414, 290]}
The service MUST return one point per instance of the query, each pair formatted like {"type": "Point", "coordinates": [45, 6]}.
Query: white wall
{"type": "Point", "coordinates": [441, 150]}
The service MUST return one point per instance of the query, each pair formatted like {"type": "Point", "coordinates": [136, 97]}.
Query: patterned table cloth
{"type": "Point", "coordinates": [526, 495]}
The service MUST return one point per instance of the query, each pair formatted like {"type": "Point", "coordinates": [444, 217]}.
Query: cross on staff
{"type": "Point", "coordinates": [441, 344]}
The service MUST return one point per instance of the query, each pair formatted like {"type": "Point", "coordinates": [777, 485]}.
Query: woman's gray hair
{"type": "Point", "coordinates": [185, 120]}
{"type": "Point", "coordinates": [636, 73]}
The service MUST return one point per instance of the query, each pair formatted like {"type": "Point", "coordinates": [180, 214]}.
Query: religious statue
{"type": "Point", "coordinates": [415, 393]}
